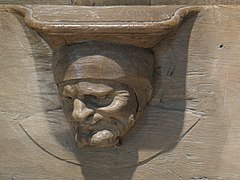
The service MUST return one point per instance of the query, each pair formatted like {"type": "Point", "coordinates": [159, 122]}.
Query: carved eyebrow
{"type": "Point", "coordinates": [120, 100]}
{"type": "Point", "coordinates": [99, 90]}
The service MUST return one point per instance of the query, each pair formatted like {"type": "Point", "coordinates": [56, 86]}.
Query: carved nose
{"type": "Point", "coordinates": [80, 111]}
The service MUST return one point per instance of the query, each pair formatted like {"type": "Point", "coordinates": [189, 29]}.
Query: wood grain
{"type": "Point", "coordinates": [47, 2]}
{"type": "Point", "coordinates": [152, 2]}
{"type": "Point", "coordinates": [196, 77]}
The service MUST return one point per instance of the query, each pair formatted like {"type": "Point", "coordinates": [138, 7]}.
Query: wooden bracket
{"type": "Point", "coordinates": [102, 62]}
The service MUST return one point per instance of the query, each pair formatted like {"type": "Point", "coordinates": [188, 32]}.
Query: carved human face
{"type": "Point", "coordinates": [100, 112]}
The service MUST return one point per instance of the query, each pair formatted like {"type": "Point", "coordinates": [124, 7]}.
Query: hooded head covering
{"type": "Point", "coordinates": [101, 60]}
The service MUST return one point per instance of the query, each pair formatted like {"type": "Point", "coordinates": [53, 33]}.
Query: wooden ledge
{"type": "Point", "coordinates": [142, 26]}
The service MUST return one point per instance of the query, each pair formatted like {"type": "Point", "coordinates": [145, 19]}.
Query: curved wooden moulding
{"type": "Point", "coordinates": [102, 62]}
{"type": "Point", "coordinates": [142, 26]}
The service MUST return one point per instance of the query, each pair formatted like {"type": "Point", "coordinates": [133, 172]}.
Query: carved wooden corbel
{"type": "Point", "coordinates": [102, 63]}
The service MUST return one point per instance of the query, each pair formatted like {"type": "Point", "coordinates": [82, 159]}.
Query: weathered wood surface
{"type": "Point", "coordinates": [195, 2]}
{"type": "Point", "coordinates": [110, 3]}
{"type": "Point", "coordinates": [196, 85]}
{"type": "Point", "coordinates": [57, 2]}
{"type": "Point", "coordinates": [122, 2]}
{"type": "Point", "coordinates": [151, 2]}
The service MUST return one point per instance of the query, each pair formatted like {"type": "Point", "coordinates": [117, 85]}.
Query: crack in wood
{"type": "Point", "coordinates": [178, 176]}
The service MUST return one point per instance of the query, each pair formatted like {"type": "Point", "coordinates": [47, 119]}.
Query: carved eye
{"type": "Point", "coordinates": [96, 102]}
{"type": "Point", "coordinates": [119, 101]}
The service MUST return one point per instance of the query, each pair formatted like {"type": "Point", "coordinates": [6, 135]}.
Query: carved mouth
{"type": "Point", "coordinates": [103, 138]}
{"type": "Point", "coordinates": [96, 134]}
{"type": "Point", "coordinates": [103, 133]}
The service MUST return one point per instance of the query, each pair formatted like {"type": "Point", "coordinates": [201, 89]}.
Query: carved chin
{"type": "Point", "coordinates": [100, 136]}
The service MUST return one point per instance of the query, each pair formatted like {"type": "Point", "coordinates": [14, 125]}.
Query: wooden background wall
{"type": "Point", "coordinates": [122, 2]}
{"type": "Point", "coordinates": [197, 72]}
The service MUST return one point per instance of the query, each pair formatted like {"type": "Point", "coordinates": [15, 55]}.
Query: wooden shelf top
{"type": "Point", "coordinates": [142, 26]}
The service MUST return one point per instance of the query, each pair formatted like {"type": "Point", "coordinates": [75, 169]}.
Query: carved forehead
{"type": "Point", "coordinates": [92, 87]}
